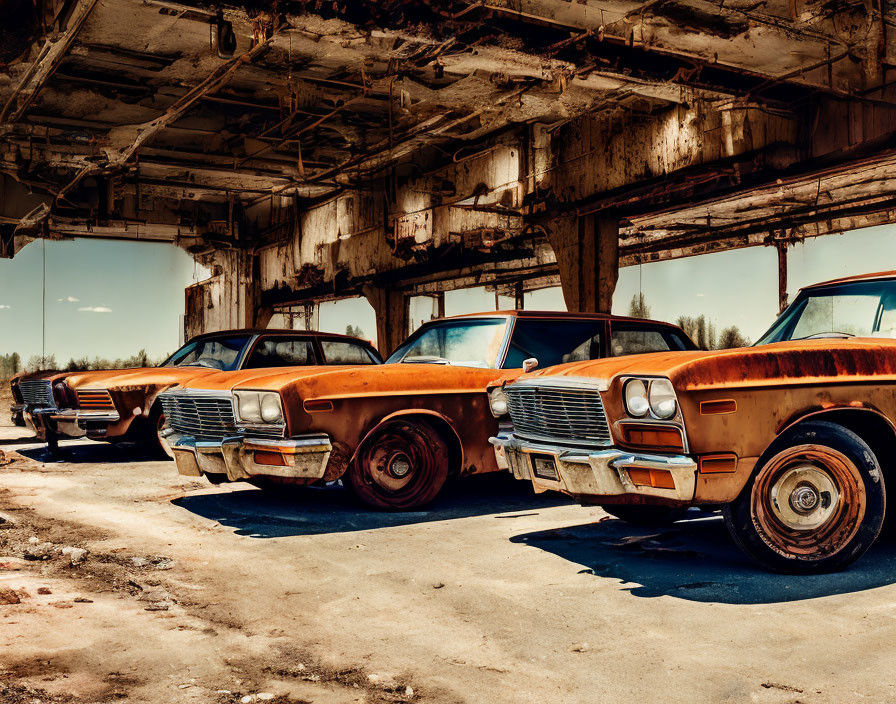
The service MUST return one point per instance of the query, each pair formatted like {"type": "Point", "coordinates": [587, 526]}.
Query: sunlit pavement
{"type": "Point", "coordinates": [493, 594]}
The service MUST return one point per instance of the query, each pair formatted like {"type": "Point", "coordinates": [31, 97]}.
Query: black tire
{"type": "Point", "coordinates": [646, 515]}
{"type": "Point", "coordinates": [834, 508]}
{"type": "Point", "coordinates": [417, 449]}
{"type": "Point", "coordinates": [150, 438]}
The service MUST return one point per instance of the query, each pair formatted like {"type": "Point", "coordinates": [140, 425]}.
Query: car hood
{"type": "Point", "coordinates": [50, 375]}
{"type": "Point", "coordinates": [132, 378]}
{"type": "Point", "coordinates": [765, 365]}
{"type": "Point", "coordinates": [339, 381]}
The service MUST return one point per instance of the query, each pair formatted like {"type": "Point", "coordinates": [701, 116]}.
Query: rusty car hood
{"type": "Point", "coordinates": [52, 375]}
{"type": "Point", "coordinates": [132, 378]}
{"type": "Point", "coordinates": [354, 381]}
{"type": "Point", "coordinates": [822, 361]}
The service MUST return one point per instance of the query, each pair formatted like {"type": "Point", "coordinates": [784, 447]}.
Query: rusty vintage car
{"type": "Point", "coordinates": [794, 438]}
{"type": "Point", "coordinates": [395, 432]}
{"type": "Point", "coordinates": [121, 404]}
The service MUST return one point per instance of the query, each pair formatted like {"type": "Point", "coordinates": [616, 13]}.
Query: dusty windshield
{"type": "Point", "coordinates": [856, 309]}
{"type": "Point", "coordinates": [221, 353]}
{"type": "Point", "coordinates": [464, 343]}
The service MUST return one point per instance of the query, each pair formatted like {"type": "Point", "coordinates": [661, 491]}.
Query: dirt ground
{"type": "Point", "coordinates": [192, 594]}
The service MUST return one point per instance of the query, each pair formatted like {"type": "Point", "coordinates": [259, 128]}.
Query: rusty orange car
{"type": "Point", "coordinates": [121, 404]}
{"type": "Point", "coordinates": [395, 432]}
{"type": "Point", "coordinates": [793, 438]}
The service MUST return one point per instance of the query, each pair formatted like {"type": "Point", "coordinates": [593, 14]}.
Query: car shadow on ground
{"type": "Point", "coordinates": [695, 559]}
{"type": "Point", "coordinates": [87, 452]}
{"type": "Point", "coordinates": [332, 509]}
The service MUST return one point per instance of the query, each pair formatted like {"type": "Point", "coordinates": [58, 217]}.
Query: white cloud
{"type": "Point", "coordinates": [69, 299]}
{"type": "Point", "coordinates": [95, 309]}
{"type": "Point", "coordinates": [700, 295]}
{"type": "Point", "coordinates": [5, 307]}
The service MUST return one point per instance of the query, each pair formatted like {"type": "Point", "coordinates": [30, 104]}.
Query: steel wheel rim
{"type": "Point", "coordinates": [808, 502]}
{"type": "Point", "coordinates": [397, 461]}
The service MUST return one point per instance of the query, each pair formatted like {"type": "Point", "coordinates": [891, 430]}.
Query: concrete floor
{"type": "Point", "coordinates": [203, 594]}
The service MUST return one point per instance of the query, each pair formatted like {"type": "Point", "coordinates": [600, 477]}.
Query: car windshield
{"type": "Point", "coordinates": [854, 309]}
{"type": "Point", "coordinates": [464, 343]}
{"type": "Point", "coordinates": [221, 353]}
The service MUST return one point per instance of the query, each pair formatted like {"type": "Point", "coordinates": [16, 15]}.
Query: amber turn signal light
{"type": "Point", "coordinates": [718, 464]}
{"type": "Point", "coordinates": [317, 406]}
{"type": "Point", "coordinates": [725, 405]}
{"type": "Point", "coordinates": [273, 459]}
{"type": "Point", "coordinates": [656, 478]}
{"type": "Point", "coordinates": [651, 436]}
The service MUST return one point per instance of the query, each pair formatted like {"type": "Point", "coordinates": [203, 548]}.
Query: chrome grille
{"type": "Point", "coordinates": [37, 393]}
{"type": "Point", "coordinates": [557, 413]}
{"type": "Point", "coordinates": [200, 415]}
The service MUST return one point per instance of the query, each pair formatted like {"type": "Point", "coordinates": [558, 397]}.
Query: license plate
{"type": "Point", "coordinates": [545, 467]}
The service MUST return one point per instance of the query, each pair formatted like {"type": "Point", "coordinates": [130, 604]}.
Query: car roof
{"type": "Point", "coordinates": [279, 331]}
{"type": "Point", "coordinates": [559, 315]}
{"type": "Point", "coordinates": [857, 277]}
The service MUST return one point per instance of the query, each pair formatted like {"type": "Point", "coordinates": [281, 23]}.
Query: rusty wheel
{"type": "Point", "coordinates": [150, 434]}
{"type": "Point", "coordinates": [402, 467]}
{"type": "Point", "coordinates": [815, 504]}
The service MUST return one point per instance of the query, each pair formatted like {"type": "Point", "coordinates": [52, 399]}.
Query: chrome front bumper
{"type": "Point", "coordinates": [302, 457]}
{"type": "Point", "coordinates": [582, 472]}
{"type": "Point", "coordinates": [69, 422]}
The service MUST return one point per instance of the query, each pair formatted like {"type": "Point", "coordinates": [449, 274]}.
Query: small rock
{"type": "Point", "coordinates": [43, 590]}
{"type": "Point", "coordinates": [38, 551]}
{"type": "Point", "coordinates": [247, 699]}
{"type": "Point", "coordinates": [161, 606]}
{"type": "Point", "coordinates": [9, 596]}
{"type": "Point", "coordinates": [139, 561]}
{"type": "Point", "coordinates": [438, 585]}
{"type": "Point", "coordinates": [264, 696]}
{"type": "Point", "coordinates": [409, 692]}
{"type": "Point", "coordinates": [34, 540]}
{"type": "Point", "coordinates": [383, 680]}
{"type": "Point", "coordinates": [75, 555]}
{"type": "Point", "coordinates": [82, 600]}
{"type": "Point", "coordinates": [580, 648]}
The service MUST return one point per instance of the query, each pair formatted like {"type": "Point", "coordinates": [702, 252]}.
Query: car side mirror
{"type": "Point", "coordinates": [529, 364]}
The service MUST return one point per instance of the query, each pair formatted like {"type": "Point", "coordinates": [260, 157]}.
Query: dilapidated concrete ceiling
{"type": "Point", "coordinates": [181, 120]}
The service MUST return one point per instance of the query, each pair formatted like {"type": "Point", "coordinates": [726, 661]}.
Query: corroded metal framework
{"type": "Point", "coordinates": [307, 150]}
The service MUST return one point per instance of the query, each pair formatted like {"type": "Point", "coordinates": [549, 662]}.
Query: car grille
{"type": "Point", "coordinates": [560, 414]}
{"type": "Point", "coordinates": [37, 393]}
{"type": "Point", "coordinates": [199, 415]}
{"type": "Point", "coordinates": [95, 400]}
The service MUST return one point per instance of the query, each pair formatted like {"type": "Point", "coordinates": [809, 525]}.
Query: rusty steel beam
{"type": "Point", "coordinates": [51, 55]}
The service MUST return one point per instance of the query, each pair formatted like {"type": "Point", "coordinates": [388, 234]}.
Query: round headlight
{"type": "Point", "coordinates": [497, 401]}
{"type": "Point", "coordinates": [250, 408]}
{"type": "Point", "coordinates": [636, 398]}
{"type": "Point", "coordinates": [662, 399]}
{"type": "Point", "coordinates": [270, 408]}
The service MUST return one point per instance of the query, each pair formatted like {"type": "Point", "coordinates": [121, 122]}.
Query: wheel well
{"type": "Point", "coordinates": [441, 426]}
{"type": "Point", "coordinates": [872, 427]}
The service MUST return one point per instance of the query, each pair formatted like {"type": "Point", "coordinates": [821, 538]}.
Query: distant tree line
{"type": "Point", "coordinates": [11, 364]}
{"type": "Point", "coordinates": [702, 331]}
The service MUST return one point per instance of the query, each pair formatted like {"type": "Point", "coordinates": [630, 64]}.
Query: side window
{"type": "Point", "coordinates": [633, 340]}
{"type": "Point", "coordinates": [281, 352]}
{"type": "Point", "coordinates": [340, 352]}
{"type": "Point", "coordinates": [554, 341]}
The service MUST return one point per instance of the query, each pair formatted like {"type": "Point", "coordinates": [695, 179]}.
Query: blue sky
{"type": "Point", "coordinates": [103, 298]}
{"type": "Point", "coordinates": [110, 299]}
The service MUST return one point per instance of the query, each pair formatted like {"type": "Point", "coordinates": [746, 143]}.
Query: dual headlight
{"type": "Point", "coordinates": [497, 402]}
{"type": "Point", "coordinates": [258, 407]}
{"type": "Point", "coordinates": [650, 396]}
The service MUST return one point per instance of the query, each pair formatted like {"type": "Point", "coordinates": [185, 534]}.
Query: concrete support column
{"type": "Point", "coordinates": [587, 251]}
{"type": "Point", "coordinates": [782, 275]}
{"type": "Point", "coordinates": [228, 299]}
{"type": "Point", "coordinates": [391, 308]}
